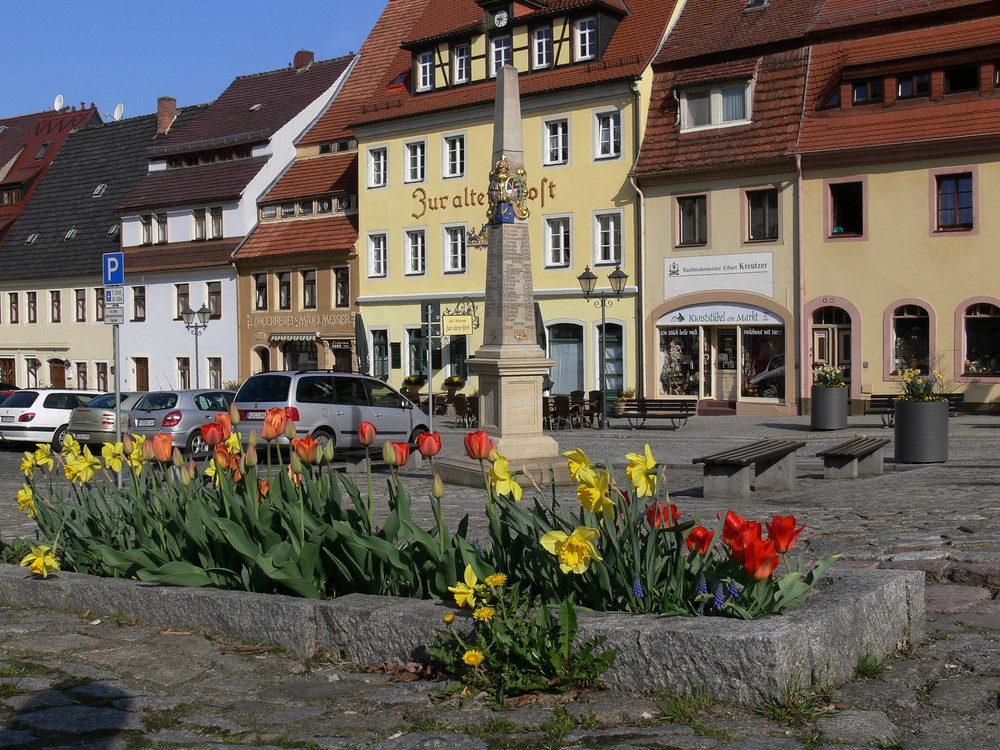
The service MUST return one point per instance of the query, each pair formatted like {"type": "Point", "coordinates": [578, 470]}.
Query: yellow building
{"type": "Point", "coordinates": [424, 143]}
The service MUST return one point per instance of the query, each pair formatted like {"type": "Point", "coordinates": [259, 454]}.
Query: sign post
{"type": "Point", "coordinates": [113, 273]}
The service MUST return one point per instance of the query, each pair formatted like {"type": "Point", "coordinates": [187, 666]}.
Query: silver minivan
{"type": "Point", "coordinates": [330, 406]}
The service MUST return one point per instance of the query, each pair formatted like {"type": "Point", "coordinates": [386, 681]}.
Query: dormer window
{"type": "Point", "coordinates": [200, 225]}
{"type": "Point", "coordinates": [305, 208]}
{"type": "Point", "coordinates": [425, 71]}
{"type": "Point", "coordinates": [31, 239]}
{"type": "Point", "coordinates": [399, 82]}
{"type": "Point", "coordinates": [70, 234]}
{"type": "Point", "coordinates": [585, 35]}
{"type": "Point", "coordinates": [913, 85]}
{"type": "Point", "coordinates": [114, 230]}
{"type": "Point", "coordinates": [324, 206]}
{"type": "Point", "coordinates": [461, 63]}
{"type": "Point", "coordinates": [99, 190]}
{"type": "Point", "coordinates": [541, 47]}
{"type": "Point", "coordinates": [501, 53]}
{"type": "Point", "coordinates": [326, 148]}
{"type": "Point", "coordinates": [287, 210]}
{"type": "Point", "coordinates": [756, 3]}
{"type": "Point", "coordinates": [147, 229]}
{"type": "Point", "coordinates": [719, 106]}
{"type": "Point", "coordinates": [42, 149]}
{"type": "Point", "coordinates": [957, 80]}
{"type": "Point", "coordinates": [345, 203]}
{"type": "Point", "coordinates": [269, 212]}
{"type": "Point", "coordinates": [866, 92]}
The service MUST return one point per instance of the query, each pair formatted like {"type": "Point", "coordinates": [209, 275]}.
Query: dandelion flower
{"type": "Point", "coordinates": [473, 657]}
{"type": "Point", "coordinates": [497, 579]}
{"type": "Point", "coordinates": [484, 614]}
{"type": "Point", "coordinates": [449, 618]}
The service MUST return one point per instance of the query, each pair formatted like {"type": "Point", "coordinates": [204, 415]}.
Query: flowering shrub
{"type": "Point", "coordinates": [916, 387]}
{"type": "Point", "coordinates": [825, 376]}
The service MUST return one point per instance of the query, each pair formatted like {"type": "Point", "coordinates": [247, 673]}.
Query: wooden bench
{"type": "Point", "coordinates": [857, 457]}
{"type": "Point", "coordinates": [638, 410]}
{"type": "Point", "coordinates": [727, 473]}
{"type": "Point", "coordinates": [884, 405]}
{"type": "Point", "coordinates": [956, 403]}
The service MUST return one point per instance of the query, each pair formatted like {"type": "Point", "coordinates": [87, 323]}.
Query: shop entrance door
{"type": "Point", "coordinates": [726, 363]}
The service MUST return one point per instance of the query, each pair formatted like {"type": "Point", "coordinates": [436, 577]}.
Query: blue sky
{"type": "Point", "coordinates": [133, 51]}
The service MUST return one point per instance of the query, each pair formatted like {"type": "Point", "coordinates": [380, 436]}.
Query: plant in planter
{"type": "Point", "coordinates": [921, 419]}
{"type": "Point", "coordinates": [413, 381]}
{"type": "Point", "coordinates": [829, 399]}
{"type": "Point", "coordinates": [624, 395]}
{"type": "Point", "coordinates": [454, 381]}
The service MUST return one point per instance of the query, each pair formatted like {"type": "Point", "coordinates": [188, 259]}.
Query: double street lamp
{"type": "Point", "coordinates": [196, 322]}
{"type": "Point", "coordinates": [588, 280]}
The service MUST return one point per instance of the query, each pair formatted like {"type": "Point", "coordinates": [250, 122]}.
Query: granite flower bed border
{"type": "Point", "coordinates": [851, 613]}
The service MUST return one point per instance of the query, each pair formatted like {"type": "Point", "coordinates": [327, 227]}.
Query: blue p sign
{"type": "Point", "coordinates": [114, 269]}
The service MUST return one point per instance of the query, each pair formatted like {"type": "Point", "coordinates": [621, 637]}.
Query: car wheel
{"type": "Point", "coordinates": [58, 436]}
{"type": "Point", "coordinates": [323, 436]}
{"type": "Point", "coordinates": [413, 436]}
{"type": "Point", "coordinates": [196, 447]}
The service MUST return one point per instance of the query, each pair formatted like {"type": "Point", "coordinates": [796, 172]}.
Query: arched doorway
{"type": "Point", "coordinates": [831, 339]}
{"type": "Point", "coordinates": [566, 348]}
{"type": "Point", "coordinates": [57, 373]}
{"type": "Point", "coordinates": [262, 359]}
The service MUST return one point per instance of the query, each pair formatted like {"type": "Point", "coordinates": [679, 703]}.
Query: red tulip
{"type": "Point", "coordinates": [429, 443]}
{"type": "Point", "coordinates": [402, 453]}
{"type": "Point", "coordinates": [760, 558]}
{"type": "Point", "coordinates": [662, 514]}
{"type": "Point", "coordinates": [783, 533]}
{"type": "Point", "coordinates": [749, 533]}
{"type": "Point", "coordinates": [215, 432]}
{"type": "Point", "coordinates": [306, 448]}
{"type": "Point", "coordinates": [732, 527]}
{"type": "Point", "coordinates": [274, 423]}
{"type": "Point", "coordinates": [479, 445]}
{"type": "Point", "coordinates": [366, 433]}
{"type": "Point", "coordinates": [163, 447]}
{"type": "Point", "coordinates": [700, 539]}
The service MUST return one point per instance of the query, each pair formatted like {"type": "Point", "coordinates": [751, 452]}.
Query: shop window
{"type": "Point", "coordinates": [566, 348]}
{"type": "Point", "coordinates": [693, 220]}
{"type": "Point", "coordinates": [847, 209]}
{"type": "Point", "coordinates": [32, 368]}
{"type": "Point", "coordinates": [262, 361]}
{"type": "Point", "coordinates": [300, 355]}
{"type": "Point", "coordinates": [982, 340]}
{"type": "Point", "coordinates": [458, 352]}
{"type": "Point", "coordinates": [416, 351]}
{"type": "Point", "coordinates": [965, 78]}
{"type": "Point", "coordinates": [763, 368]}
{"type": "Point", "coordinates": [954, 201]}
{"type": "Point", "coordinates": [911, 328]}
{"type": "Point", "coordinates": [762, 212]}
{"type": "Point", "coordinates": [679, 359]}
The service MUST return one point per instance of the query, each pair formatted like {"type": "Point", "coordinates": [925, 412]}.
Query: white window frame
{"type": "Point", "coordinates": [495, 48]}
{"type": "Point", "coordinates": [716, 113]}
{"type": "Point", "coordinates": [585, 38]}
{"type": "Point", "coordinates": [461, 65]}
{"type": "Point", "coordinates": [608, 144]}
{"type": "Point", "coordinates": [415, 161]}
{"type": "Point", "coordinates": [378, 167]}
{"type": "Point", "coordinates": [453, 153]}
{"type": "Point", "coordinates": [547, 135]}
{"type": "Point", "coordinates": [565, 252]}
{"type": "Point", "coordinates": [609, 249]}
{"type": "Point", "coordinates": [378, 255]}
{"type": "Point", "coordinates": [415, 251]}
{"type": "Point", "coordinates": [455, 254]}
{"type": "Point", "coordinates": [425, 71]}
{"type": "Point", "coordinates": [541, 48]}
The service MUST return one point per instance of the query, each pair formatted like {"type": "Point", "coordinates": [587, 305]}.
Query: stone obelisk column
{"type": "Point", "coordinates": [510, 364]}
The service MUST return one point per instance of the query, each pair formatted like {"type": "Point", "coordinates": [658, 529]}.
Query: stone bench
{"type": "Point", "coordinates": [771, 463]}
{"type": "Point", "coordinates": [857, 457]}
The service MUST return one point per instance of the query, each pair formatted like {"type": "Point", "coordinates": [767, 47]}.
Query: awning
{"type": "Point", "coordinates": [303, 336]}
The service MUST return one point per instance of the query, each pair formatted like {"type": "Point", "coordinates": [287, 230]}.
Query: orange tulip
{"type": "Point", "coordinates": [429, 443]}
{"type": "Point", "coordinates": [479, 445]}
{"type": "Point", "coordinates": [223, 457]}
{"type": "Point", "coordinates": [700, 539]}
{"type": "Point", "coordinates": [306, 448]}
{"type": "Point", "coordinates": [274, 423]}
{"type": "Point", "coordinates": [147, 450]}
{"type": "Point", "coordinates": [262, 487]}
{"type": "Point", "coordinates": [783, 533]}
{"type": "Point", "coordinates": [163, 447]}
{"type": "Point", "coordinates": [366, 433]}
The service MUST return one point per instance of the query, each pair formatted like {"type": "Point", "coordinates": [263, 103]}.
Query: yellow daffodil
{"type": "Point", "coordinates": [484, 614]}
{"type": "Point", "coordinates": [28, 465]}
{"type": "Point", "coordinates": [467, 591]}
{"type": "Point", "coordinates": [473, 657]}
{"type": "Point", "coordinates": [43, 456]}
{"type": "Point", "coordinates": [233, 443]}
{"type": "Point", "coordinates": [71, 448]}
{"type": "Point", "coordinates": [575, 551]}
{"type": "Point", "coordinates": [502, 480]}
{"type": "Point", "coordinates": [135, 459]}
{"type": "Point", "coordinates": [448, 618]}
{"type": "Point", "coordinates": [26, 501]}
{"type": "Point", "coordinates": [113, 455]}
{"type": "Point", "coordinates": [577, 459]}
{"type": "Point", "coordinates": [642, 472]}
{"type": "Point", "coordinates": [81, 467]}
{"type": "Point", "coordinates": [211, 470]}
{"type": "Point", "coordinates": [593, 492]}
{"type": "Point", "coordinates": [40, 560]}
{"type": "Point", "coordinates": [497, 579]}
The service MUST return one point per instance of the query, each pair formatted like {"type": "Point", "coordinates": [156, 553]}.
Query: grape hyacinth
{"type": "Point", "coordinates": [702, 585]}
{"type": "Point", "coordinates": [734, 590]}
{"type": "Point", "coordinates": [637, 589]}
{"type": "Point", "coordinates": [720, 597]}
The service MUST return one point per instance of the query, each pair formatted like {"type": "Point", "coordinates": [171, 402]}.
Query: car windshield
{"type": "Point", "coordinates": [21, 398]}
{"type": "Point", "coordinates": [265, 388]}
{"type": "Point", "coordinates": [157, 401]}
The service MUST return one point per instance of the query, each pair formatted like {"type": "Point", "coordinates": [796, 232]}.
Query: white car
{"type": "Point", "coordinates": [40, 415]}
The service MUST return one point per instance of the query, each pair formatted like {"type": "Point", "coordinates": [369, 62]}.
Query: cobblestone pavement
{"type": "Point", "coordinates": [97, 681]}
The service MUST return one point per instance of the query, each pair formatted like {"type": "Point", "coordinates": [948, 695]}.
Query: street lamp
{"type": "Point", "coordinates": [188, 316]}
{"type": "Point", "coordinates": [588, 280]}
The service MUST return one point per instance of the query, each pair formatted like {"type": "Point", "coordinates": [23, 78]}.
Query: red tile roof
{"type": "Point", "coordinates": [910, 121]}
{"type": "Point", "coordinates": [319, 175]}
{"type": "Point", "coordinates": [300, 237]}
{"type": "Point", "coordinates": [186, 185]}
{"type": "Point", "coordinates": [841, 13]}
{"type": "Point", "coordinates": [180, 255]}
{"type": "Point", "coordinates": [777, 104]}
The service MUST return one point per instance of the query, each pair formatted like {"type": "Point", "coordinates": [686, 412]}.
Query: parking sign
{"type": "Point", "coordinates": [114, 269]}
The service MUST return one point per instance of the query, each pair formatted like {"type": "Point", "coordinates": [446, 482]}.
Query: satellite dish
{"type": "Point", "coordinates": [58, 103]}
{"type": "Point", "coordinates": [119, 111]}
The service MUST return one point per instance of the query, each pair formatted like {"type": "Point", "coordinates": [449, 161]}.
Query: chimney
{"type": "Point", "coordinates": [303, 58]}
{"type": "Point", "coordinates": [166, 111]}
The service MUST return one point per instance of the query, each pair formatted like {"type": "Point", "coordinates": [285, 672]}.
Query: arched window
{"type": "Point", "coordinates": [982, 339]}
{"type": "Point", "coordinates": [911, 331]}
{"type": "Point", "coordinates": [566, 348]}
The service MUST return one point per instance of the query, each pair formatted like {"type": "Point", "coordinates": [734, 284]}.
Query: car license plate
{"type": "Point", "coordinates": [255, 415]}
{"type": "Point", "coordinates": [6, 419]}
{"type": "Point", "coordinates": [81, 435]}
{"type": "Point", "coordinates": [145, 422]}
